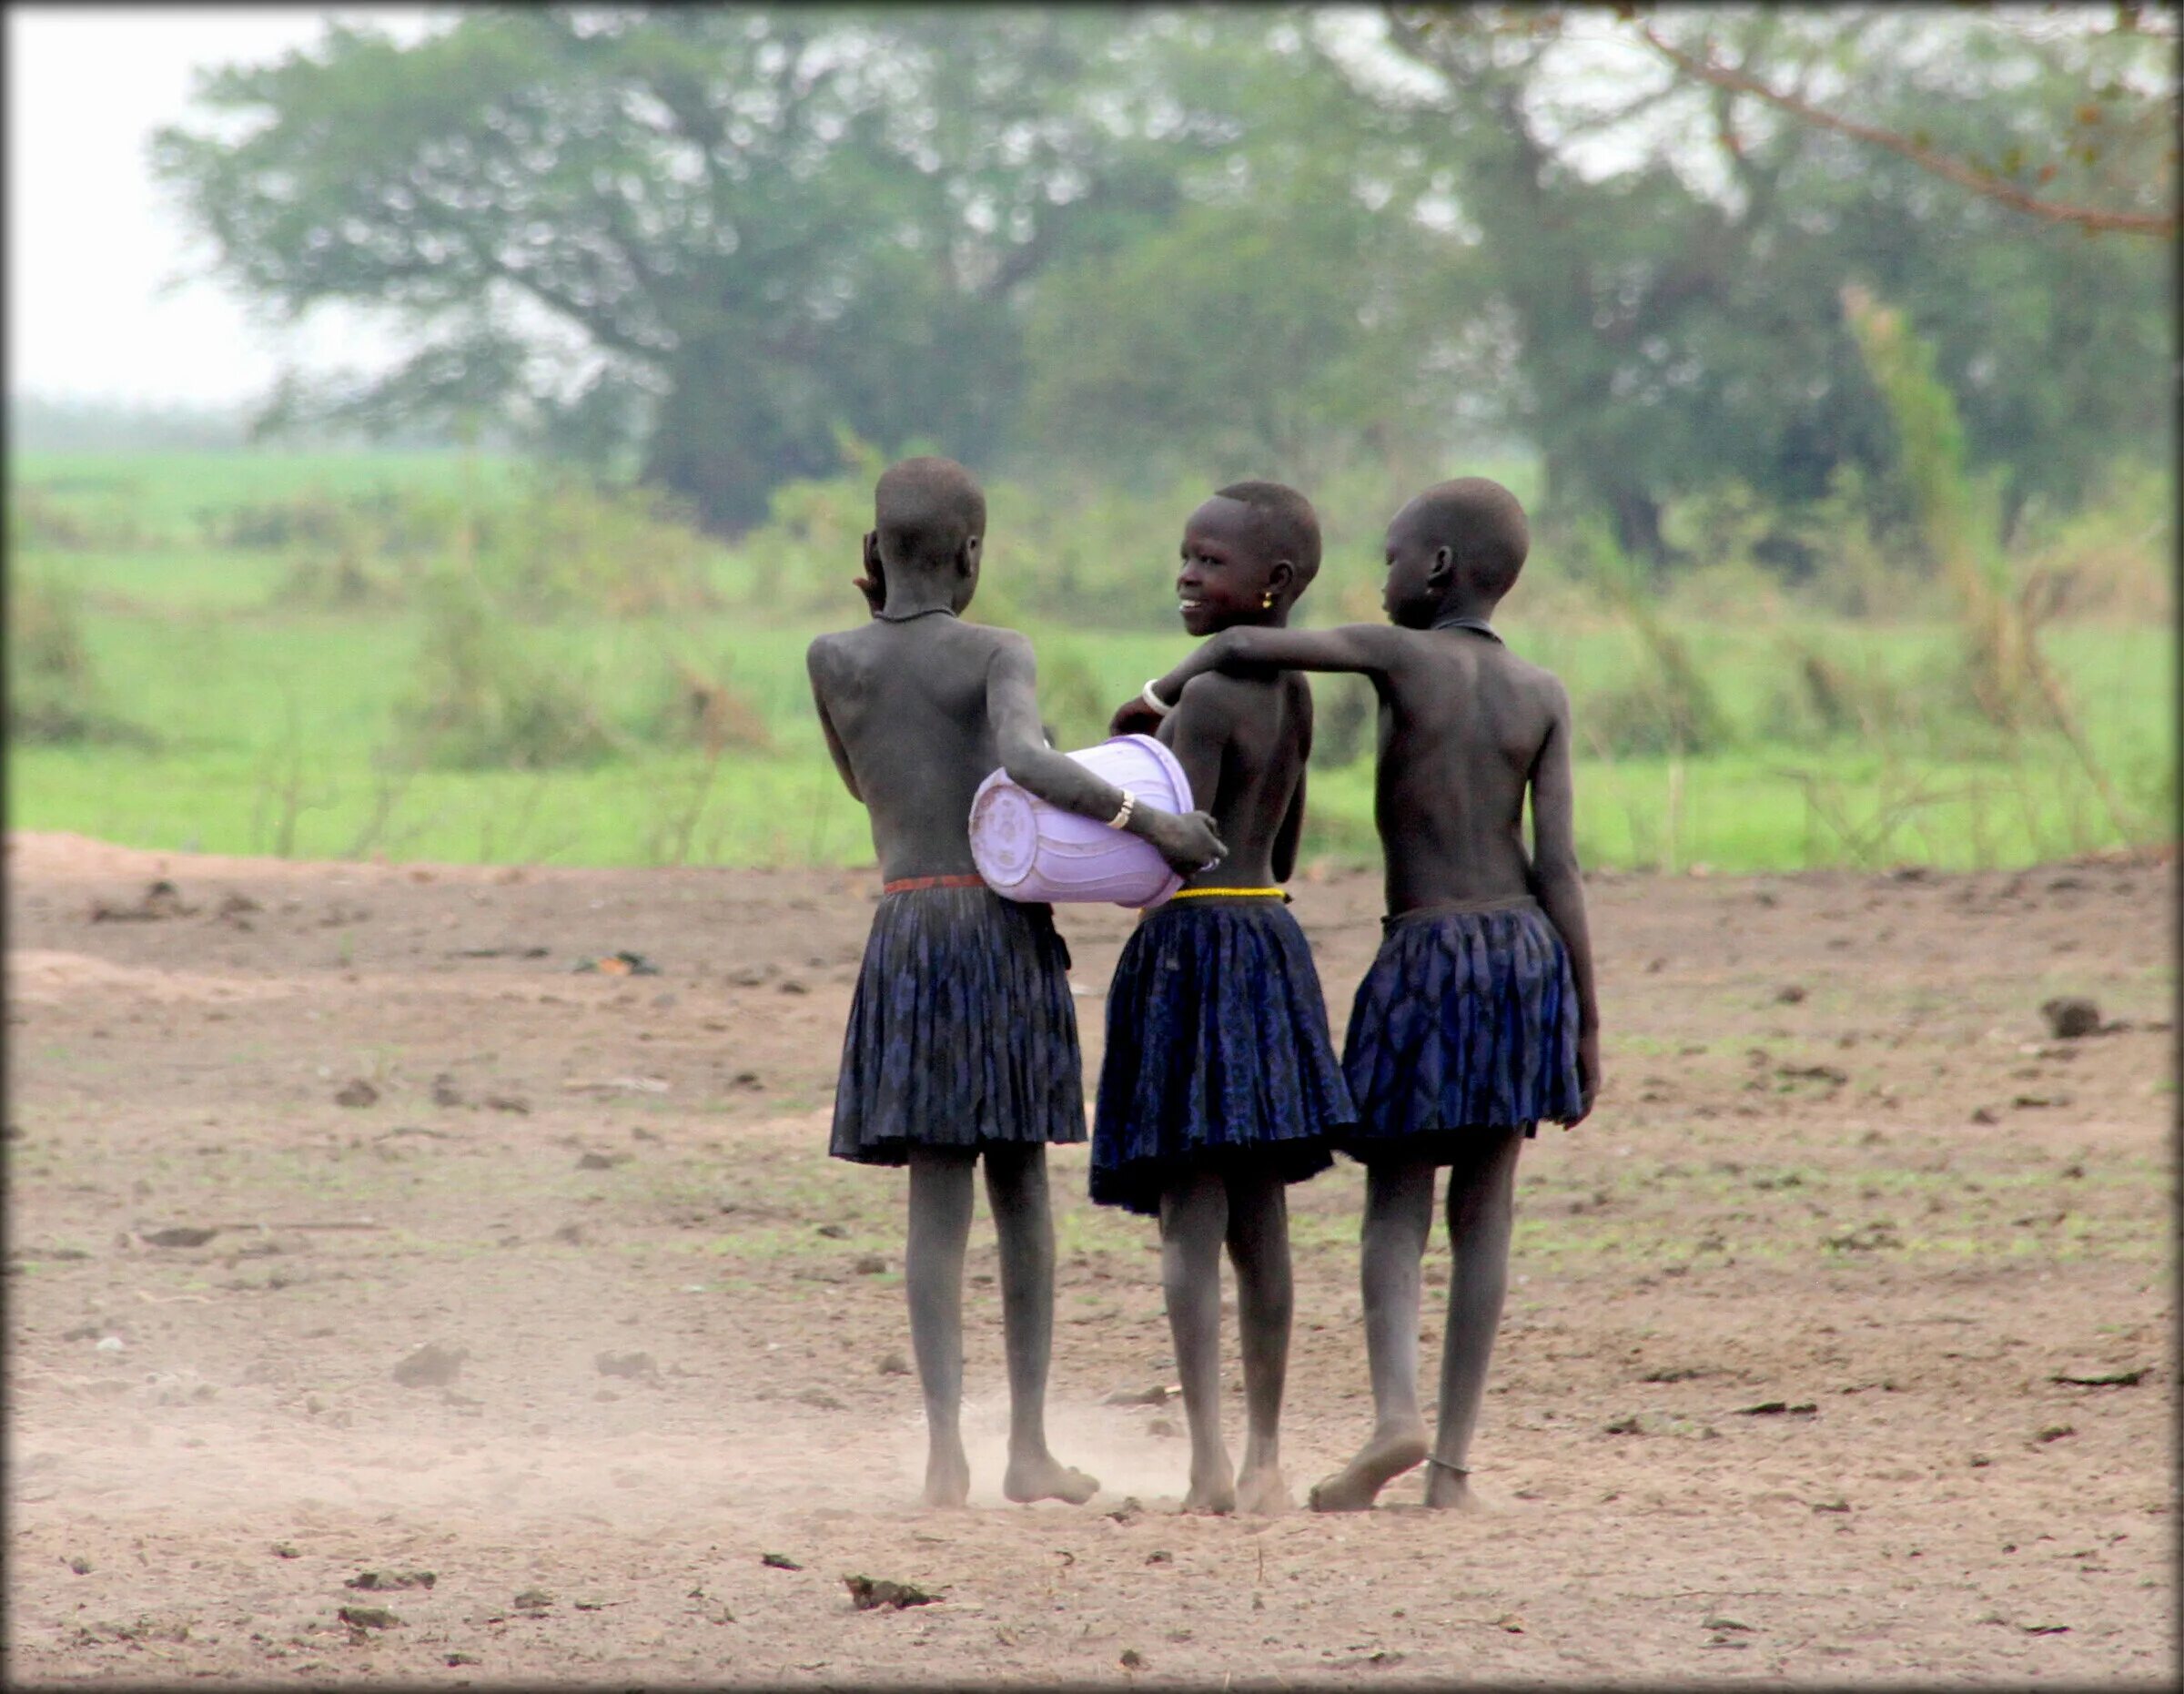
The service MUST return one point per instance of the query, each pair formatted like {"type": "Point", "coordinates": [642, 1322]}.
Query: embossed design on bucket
{"type": "Point", "coordinates": [1029, 850]}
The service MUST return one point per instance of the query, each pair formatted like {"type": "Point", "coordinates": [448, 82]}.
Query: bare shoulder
{"type": "Point", "coordinates": [823, 658]}
{"type": "Point", "coordinates": [1218, 697]}
{"type": "Point", "coordinates": [1537, 683]}
{"type": "Point", "coordinates": [997, 652]}
{"type": "Point", "coordinates": [1545, 711]}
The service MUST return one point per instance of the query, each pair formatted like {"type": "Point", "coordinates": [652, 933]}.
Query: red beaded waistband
{"type": "Point", "coordinates": [910, 884]}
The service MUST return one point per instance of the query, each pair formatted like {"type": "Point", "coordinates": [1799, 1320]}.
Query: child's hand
{"type": "Point", "coordinates": [1133, 717]}
{"type": "Point", "coordinates": [1588, 1075]}
{"type": "Point", "coordinates": [874, 583]}
{"type": "Point", "coordinates": [1186, 841]}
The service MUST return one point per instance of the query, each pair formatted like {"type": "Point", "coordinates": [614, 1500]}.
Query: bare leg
{"type": "Point", "coordinates": [1259, 1246]}
{"type": "Point", "coordinates": [1399, 1215]}
{"type": "Point", "coordinates": [1194, 1217]}
{"type": "Point", "coordinates": [1483, 1200]}
{"type": "Point", "coordinates": [940, 1227]}
{"type": "Point", "coordinates": [1016, 1185]}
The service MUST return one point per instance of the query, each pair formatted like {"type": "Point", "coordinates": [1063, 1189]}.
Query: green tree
{"type": "Point", "coordinates": [1669, 250]}
{"type": "Point", "coordinates": [739, 229]}
{"type": "Point", "coordinates": [1284, 334]}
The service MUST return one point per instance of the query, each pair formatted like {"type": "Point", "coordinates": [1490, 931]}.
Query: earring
{"type": "Point", "coordinates": [1266, 600]}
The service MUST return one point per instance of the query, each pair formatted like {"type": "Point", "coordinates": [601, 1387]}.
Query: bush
{"type": "Point", "coordinates": [341, 560]}
{"type": "Point", "coordinates": [1817, 698]}
{"type": "Point", "coordinates": [1669, 707]}
{"type": "Point", "coordinates": [54, 698]}
{"type": "Point", "coordinates": [1073, 704]}
{"type": "Point", "coordinates": [563, 544]}
{"type": "Point", "coordinates": [2108, 559]}
{"type": "Point", "coordinates": [704, 711]}
{"type": "Point", "coordinates": [483, 701]}
{"type": "Point", "coordinates": [37, 521]}
{"type": "Point", "coordinates": [571, 544]}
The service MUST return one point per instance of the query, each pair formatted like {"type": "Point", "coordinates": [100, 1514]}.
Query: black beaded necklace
{"type": "Point", "coordinates": [1479, 625]}
{"type": "Point", "coordinates": [904, 618]}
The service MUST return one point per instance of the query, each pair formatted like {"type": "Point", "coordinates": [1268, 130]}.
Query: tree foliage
{"type": "Point", "coordinates": [1115, 241]}
{"type": "Point", "coordinates": [1672, 254]}
{"type": "Point", "coordinates": [747, 227]}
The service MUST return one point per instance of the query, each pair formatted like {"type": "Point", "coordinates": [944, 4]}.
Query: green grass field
{"type": "Point", "coordinates": [278, 725]}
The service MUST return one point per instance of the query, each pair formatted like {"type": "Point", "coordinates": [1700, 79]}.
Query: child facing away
{"type": "Point", "coordinates": [962, 1036]}
{"type": "Point", "coordinates": [1478, 1018]}
{"type": "Point", "coordinates": [1219, 1084]}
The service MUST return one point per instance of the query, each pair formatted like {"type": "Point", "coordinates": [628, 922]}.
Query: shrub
{"type": "Point", "coordinates": [571, 544]}
{"type": "Point", "coordinates": [1669, 707]}
{"type": "Point", "coordinates": [1073, 704]}
{"type": "Point", "coordinates": [55, 697]}
{"type": "Point", "coordinates": [703, 710]}
{"type": "Point", "coordinates": [1818, 698]}
{"type": "Point", "coordinates": [483, 699]}
{"type": "Point", "coordinates": [38, 519]}
{"type": "Point", "coordinates": [2108, 559]}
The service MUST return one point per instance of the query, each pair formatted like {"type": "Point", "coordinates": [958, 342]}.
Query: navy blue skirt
{"type": "Point", "coordinates": [961, 1031]}
{"type": "Point", "coordinates": [1466, 1020]}
{"type": "Point", "coordinates": [1216, 1049]}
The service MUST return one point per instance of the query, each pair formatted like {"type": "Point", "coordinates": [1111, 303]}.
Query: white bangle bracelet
{"type": "Point", "coordinates": [1160, 707]}
{"type": "Point", "coordinates": [1122, 818]}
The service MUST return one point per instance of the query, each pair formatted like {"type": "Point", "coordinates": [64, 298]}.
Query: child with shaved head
{"type": "Point", "coordinates": [1220, 1086]}
{"type": "Point", "coordinates": [1478, 1018]}
{"type": "Point", "coordinates": [962, 1037]}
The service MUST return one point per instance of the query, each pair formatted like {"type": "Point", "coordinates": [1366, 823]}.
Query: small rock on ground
{"type": "Point", "coordinates": [431, 1366]}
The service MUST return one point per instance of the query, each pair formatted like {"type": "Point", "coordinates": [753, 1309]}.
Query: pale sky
{"type": "Point", "coordinates": [91, 240]}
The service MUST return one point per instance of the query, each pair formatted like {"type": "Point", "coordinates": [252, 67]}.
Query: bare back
{"type": "Point", "coordinates": [1242, 743]}
{"type": "Point", "coordinates": [1462, 725]}
{"type": "Point", "coordinates": [904, 704]}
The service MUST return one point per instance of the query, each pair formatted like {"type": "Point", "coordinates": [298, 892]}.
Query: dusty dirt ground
{"type": "Point", "coordinates": [1840, 1167]}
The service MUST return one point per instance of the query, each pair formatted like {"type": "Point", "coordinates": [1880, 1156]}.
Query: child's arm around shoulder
{"type": "Point", "coordinates": [817, 663]}
{"type": "Point", "coordinates": [1556, 879]}
{"type": "Point", "coordinates": [1372, 650]}
{"type": "Point", "coordinates": [1012, 707]}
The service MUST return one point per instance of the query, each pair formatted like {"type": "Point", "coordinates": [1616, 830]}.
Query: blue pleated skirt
{"type": "Point", "coordinates": [1466, 1020]}
{"type": "Point", "coordinates": [1217, 1049]}
{"type": "Point", "coordinates": [961, 1031]}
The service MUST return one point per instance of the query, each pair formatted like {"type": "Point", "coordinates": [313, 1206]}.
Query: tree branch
{"type": "Point", "coordinates": [1964, 176]}
{"type": "Point", "coordinates": [594, 322]}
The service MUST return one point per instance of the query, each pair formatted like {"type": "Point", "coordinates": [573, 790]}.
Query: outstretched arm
{"type": "Point", "coordinates": [1371, 649]}
{"type": "Point", "coordinates": [1555, 878]}
{"type": "Point", "coordinates": [1187, 842]}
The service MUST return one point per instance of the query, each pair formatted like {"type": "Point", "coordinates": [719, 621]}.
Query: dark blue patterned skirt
{"type": "Point", "coordinates": [1468, 1019]}
{"type": "Point", "coordinates": [1216, 1049]}
{"type": "Point", "coordinates": [961, 1031]}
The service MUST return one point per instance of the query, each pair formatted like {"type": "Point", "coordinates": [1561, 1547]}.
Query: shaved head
{"type": "Point", "coordinates": [1288, 525]}
{"type": "Point", "coordinates": [1480, 524]}
{"type": "Point", "coordinates": [926, 510]}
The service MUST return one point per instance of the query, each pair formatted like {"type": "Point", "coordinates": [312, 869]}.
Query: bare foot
{"type": "Point", "coordinates": [1212, 1487]}
{"type": "Point", "coordinates": [1045, 1477]}
{"type": "Point", "coordinates": [947, 1475]}
{"type": "Point", "coordinates": [1261, 1490]}
{"type": "Point", "coordinates": [1378, 1462]}
{"type": "Point", "coordinates": [1451, 1490]}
